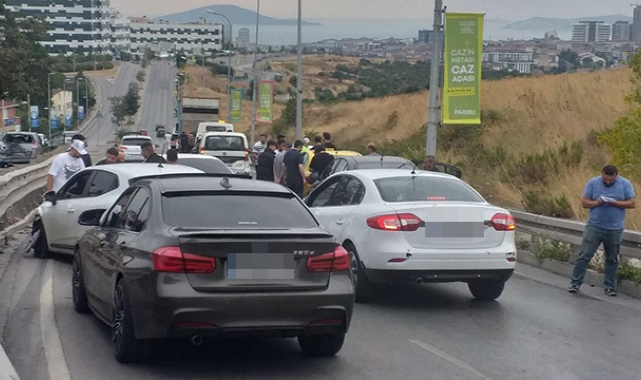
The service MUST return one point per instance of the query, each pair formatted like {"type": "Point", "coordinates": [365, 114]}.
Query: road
{"type": "Point", "coordinates": [536, 330]}
{"type": "Point", "coordinates": [159, 101]}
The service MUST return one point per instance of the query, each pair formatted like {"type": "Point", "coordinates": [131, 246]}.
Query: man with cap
{"type": "Point", "coordinates": [86, 158]}
{"type": "Point", "coordinates": [66, 165]}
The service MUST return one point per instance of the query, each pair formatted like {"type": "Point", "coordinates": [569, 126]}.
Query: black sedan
{"type": "Point", "coordinates": [198, 256]}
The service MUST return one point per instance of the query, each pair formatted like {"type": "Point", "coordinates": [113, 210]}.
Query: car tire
{"type": "Point", "coordinates": [78, 293]}
{"type": "Point", "coordinates": [486, 290]}
{"type": "Point", "coordinates": [363, 286]}
{"type": "Point", "coordinates": [321, 345]}
{"type": "Point", "coordinates": [41, 246]}
{"type": "Point", "coordinates": [127, 348]}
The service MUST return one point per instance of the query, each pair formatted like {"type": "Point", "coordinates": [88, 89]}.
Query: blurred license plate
{"type": "Point", "coordinates": [260, 266]}
{"type": "Point", "coordinates": [454, 230]}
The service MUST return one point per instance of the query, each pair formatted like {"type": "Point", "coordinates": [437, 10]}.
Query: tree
{"type": "Point", "coordinates": [118, 110]}
{"type": "Point", "coordinates": [132, 99]}
{"type": "Point", "coordinates": [293, 81]}
{"type": "Point", "coordinates": [140, 77]}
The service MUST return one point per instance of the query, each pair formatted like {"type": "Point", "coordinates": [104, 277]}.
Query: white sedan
{"type": "Point", "coordinates": [417, 227]}
{"type": "Point", "coordinates": [56, 228]}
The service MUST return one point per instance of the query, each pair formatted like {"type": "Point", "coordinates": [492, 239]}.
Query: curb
{"type": "Point", "coordinates": [592, 277]}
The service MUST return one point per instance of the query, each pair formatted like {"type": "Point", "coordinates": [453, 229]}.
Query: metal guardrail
{"type": "Point", "coordinates": [570, 231]}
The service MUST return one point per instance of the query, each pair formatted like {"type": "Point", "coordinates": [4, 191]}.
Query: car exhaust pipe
{"type": "Point", "coordinates": [420, 280]}
{"type": "Point", "coordinates": [196, 340]}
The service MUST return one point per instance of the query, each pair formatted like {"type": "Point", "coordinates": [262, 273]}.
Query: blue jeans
{"type": "Point", "coordinates": [593, 236]}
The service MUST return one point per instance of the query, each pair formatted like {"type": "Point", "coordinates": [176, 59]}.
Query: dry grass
{"type": "Point", "coordinates": [108, 74]}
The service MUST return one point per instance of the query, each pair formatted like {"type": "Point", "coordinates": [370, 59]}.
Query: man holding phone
{"type": "Point", "coordinates": [607, 196]}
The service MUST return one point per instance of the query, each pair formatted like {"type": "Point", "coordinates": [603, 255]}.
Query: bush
{"type": "Point", "coordinates": [542, 203]}
{"type": "Point", "coordinates": [629, 272]}
{"type": "Point", "coordinates": [553, 250]}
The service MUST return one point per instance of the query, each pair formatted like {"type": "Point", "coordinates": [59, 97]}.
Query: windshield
{"type": "Point", "coordinates": [134, 141]}
{"type": "Point", "coordinates": [18, 139]}
{"type": "Point", "coordinates": [424, 188]}
{"type": "Point", "coordinates": [235, 143]}
{"type": "Point", "coordinates": [247, 211]}
{"type": "Point", "coordinates": [208, 166]}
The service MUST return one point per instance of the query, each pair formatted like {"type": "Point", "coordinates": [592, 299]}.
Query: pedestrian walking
{"type": "Point", "coordinates": [66, 165]}
{"type": "Point", "coordinates": [607, 196]}
{"type": "Point", "coordinates": [294, 168]}
{"type": "Point", "coordinates": [265, 166]}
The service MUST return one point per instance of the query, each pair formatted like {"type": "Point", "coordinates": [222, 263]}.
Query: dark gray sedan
{"type": "Point", "coordinates": [197, 256]}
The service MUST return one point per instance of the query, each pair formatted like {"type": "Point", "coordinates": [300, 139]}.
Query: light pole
{"type": "Point", "coordinates": [299, 81]}
{"type": "Point", "coordinates": [435, 80]}
{"type": "Point", "coordinates": [49, 100]}
{"type": "Point", "coordinates": [231, 36]}
{"type": "Point", "coordinates": [64, 90]}
{"type": "Point", "coordinates": [255, 89]}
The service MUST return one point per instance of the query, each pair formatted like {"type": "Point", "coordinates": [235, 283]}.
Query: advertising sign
{"type": "Point", "coordinates": [236, 104]}
{"type": "Point", "coordinates": [266, 98]}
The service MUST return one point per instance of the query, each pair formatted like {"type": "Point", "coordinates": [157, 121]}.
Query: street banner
{"type": "Point", "coordinates": [68, 117]}
{"type": "Point", "coordinates": [236, 104]}
{"type": "Point", "coordinates": [81, 112]}
{"type": "Point", "coordinates": [53, 117]}
{"type": "Point", "coordinates": [266, 98]}
{"type": "Point", "coordinates": [34, 116]}
{"type": "Point", "coordinates": [462, 69]}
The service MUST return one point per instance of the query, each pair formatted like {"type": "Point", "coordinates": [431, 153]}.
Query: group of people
{"type": "Point", "coordinates": [183, 143]}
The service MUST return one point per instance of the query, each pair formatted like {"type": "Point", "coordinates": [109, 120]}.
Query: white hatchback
{"type": "Point", "coordinates": [417, 227]}
{"type": "Point", "coordinates": [56, 228]}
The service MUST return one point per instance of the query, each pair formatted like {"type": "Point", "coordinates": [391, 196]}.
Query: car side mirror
{"type": "Point", "coordinates": [50, 196]}
{"type": "Point", "coordinates": [91, 217]}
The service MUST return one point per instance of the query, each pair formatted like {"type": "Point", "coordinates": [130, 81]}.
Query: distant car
{"type": "Point", "coordinates": [197, 256]}
{"type": "Point", "coordinates": [208, 164]}
{"type": "Point", "coordinates": [230, 147]}
{"type": "Point", "coordinates": [56, 223]}
{"type": "Point", "coordinates": [14, 149]}
{"type": "Point", "coordinates": [143, 132]}
{"type": "Point", "coordinates": [415, 227]}
{"type": "Point", "coordinates": [60, 139]}
{"type": "Point", "coordinates": [130, 146]}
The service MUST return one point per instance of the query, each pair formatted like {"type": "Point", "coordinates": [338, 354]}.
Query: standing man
{"type": "Point", "coordinates": [328, 141]}
{"type": "Point", "coordinates": [112, 157]}
{"type": "Point", "coordinates": [86, 158]}
{"type": "Point", "coordinates": [294, 168]}
{"type": "Point", "coordinates": [320, 162]}
{"type": "Point", "coordinates": [371, 150]}
{"type": "Point", "coordinates": [429, 164]}
{"type": "Point", "coordinates": [318, 142]}
{"type": "Point", "coordinates": [278, 160]}
{"type": "Point", "coordinates": [265, 167]}
{"type": "Point", "coordinates": [167, 140]}
{"type": "Point", "coordinates": [184, 142]}
{"type": "Point", "coordinates": [149, 153]}
{"type": "Point", "coordinates": [66, 165]}
{"type": "Point", "coordinates": [172, 157]}
{"type": "Point", "coordinates": [607, 196]}
{"type": "Point", "coordinates": [261, 144]}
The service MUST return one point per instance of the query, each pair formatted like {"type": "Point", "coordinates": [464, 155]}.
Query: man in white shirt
{"type": "Point", "coordinates": [261, 144]}
{"type": "Point", "coordinates": [66, 165]}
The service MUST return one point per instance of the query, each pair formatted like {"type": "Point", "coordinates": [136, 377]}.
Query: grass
{"type": "Point", "coordinates": [554, 251]}
{"type": "Point", "coordinates": [629, 272]}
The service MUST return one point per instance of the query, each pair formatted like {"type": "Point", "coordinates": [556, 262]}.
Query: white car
{"type": "Point", "coordinates": [416, 227]}
{"type": "Point", "coordinates": [130, 146]}
{"type": "Point", "coordinates": [56, 227]}
{"type": "Point", "coordinates": [231, 148]}
{"type": "Point", "coordinates": [208, 164]}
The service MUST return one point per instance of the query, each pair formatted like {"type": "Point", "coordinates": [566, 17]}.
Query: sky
{"type": "Point", "coordinates": [373, 9]}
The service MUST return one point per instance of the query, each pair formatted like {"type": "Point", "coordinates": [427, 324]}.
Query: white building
{"type": "Point", "coordinates": [243, 37]}
{"type": "Point", "coordinates": [520, 61]}
{"type": "Point", "coordinates": [591, 31]}
{"type": "Point", "coordinates": [191, 38]}
{"type": "Point", "coordinates": [120, 33]}
{"type": "Point", "coordinates": [79, 26]}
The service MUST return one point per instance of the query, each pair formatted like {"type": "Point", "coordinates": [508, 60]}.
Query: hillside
{"type": "Point", "coordinates": [237, 16]}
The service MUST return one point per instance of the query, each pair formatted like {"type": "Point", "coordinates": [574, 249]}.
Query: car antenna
{"type": "Point", "coordinates": [225, 183]}
{"type": "Point", "coordinates": [382, 161]}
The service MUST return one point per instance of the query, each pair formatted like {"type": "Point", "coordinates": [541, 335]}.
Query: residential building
{"type": "Point", "coordinates": [78, 26]}
{"type": "Point", "coordinates": [424, 36]}
{"type": "Point", "coordinates": [195, 38]}
{"type": "Point", "coordinates": [9, 117]}
{"type": "Point", "coordinates": [636, 25]}
{"type": "Point", "coordinates": [521, 61]}
{"type": "Point", "coordinates": [621, 31]}
{"type": "Point", "coordinates": [120, 34]}
{"type": "Point", "coordinates": [61, 101]}
{"type": "Point", "coordinates": [243, 37]}
{"type": "Point", "coordinates": [591, 31]}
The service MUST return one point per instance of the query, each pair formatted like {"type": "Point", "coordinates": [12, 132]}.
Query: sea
{"type": "Point", "coordinates": [373, 28]}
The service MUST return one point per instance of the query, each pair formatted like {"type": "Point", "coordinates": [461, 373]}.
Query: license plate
{"type": "Point", "coordinates": [260, 266]}
{"type": "Point", "coordinates": [454, 230]}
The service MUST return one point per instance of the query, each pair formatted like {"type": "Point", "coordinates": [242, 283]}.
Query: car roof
{"type": "Point", "coordinates": [368, 159]}
{"type": "Point", "coordinates": [373, 174]}
{"type": "Point", "coordinates": [209, 182]}
{"type": "Point", "coordinates": [137, 136]}
{"type": "Point", "coordinates": [238, 134]}
{"type": "Point", "coordinates": [132, 170]}
{"type": "Point", "coordinates": [196, 156]}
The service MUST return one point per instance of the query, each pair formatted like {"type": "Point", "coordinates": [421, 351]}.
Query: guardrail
{"type": "Point", "coordinates": [569, 231]}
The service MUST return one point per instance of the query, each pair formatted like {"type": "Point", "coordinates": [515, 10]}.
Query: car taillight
{"type": "Point", "coordinates": [202, 150]}
{"type": "Point", "coordinates": [121, 148]}
{"type": "Point", "coordinates": [503, 222]}
{"type": "Point", "coordinates": [173, 260]}
{"type": "Point", "coordinates": [395, 222]}
{"type": "Point", "coordinates": [330, 262]}
{"type": "Point", "coordinates": [246, 154]}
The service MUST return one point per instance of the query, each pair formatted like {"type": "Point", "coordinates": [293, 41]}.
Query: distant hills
{"type": "Point", "coordinates": [561, 24]}
{"type": "Point", "coordinates": [237, 16]}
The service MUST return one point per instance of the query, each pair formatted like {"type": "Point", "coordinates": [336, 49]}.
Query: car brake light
{"type": "Point", "coordinates": [246, 154]}
{"type": "Point", "coordinates": [122, 148]}
{"type": "Point", "coordinates": [202, 150]}
{"type": "Point", "coordinates": [395, 222]}
{"type": "Point", "coordinates": [503, 222]}
{"type": "Point", "coordinates": [330, 262]}
{"type": "Point", "coordinates": [174, 260]}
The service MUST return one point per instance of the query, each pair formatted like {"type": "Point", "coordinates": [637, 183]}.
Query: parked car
{"type": "Point", "coordinates": [231, 148]}
{"type": "Point", "coordinates": [13, 150]}
{"type": "Point", "coordinates": [130, 146]}
{"type": "Point", "coordinates": [208, 164]}
{"type": "Point", "coordinates": [60, 139]}
{"type": "Point", "coordinates": [415, 227]}
{"type": "Point", "coordinates": [56, 229]}
{"type": "Point", "coordinates": [29, 141]}
{"type": "Point", "coordinates": [197, 256]}
{"type": "Point", "coordinates": [443, 168]}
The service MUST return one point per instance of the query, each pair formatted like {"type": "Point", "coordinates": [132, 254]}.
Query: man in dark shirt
{"type": "Point", "coordinates": [86, 158]}
{"type": "Point", "coordinates": [148, 152]}
{"type": "Point", "coordinates": [265, 166]}
{"type": "Point", "coordinates": [430, 164]}
{"type": "Point", "coordinates": [328, 141]}
{"type": "Point", "coordinates": [112, 157]}
{"type": "Point", "coordinates": [320, 162]}
{"type": "Point", "coordinates": [294, 166]}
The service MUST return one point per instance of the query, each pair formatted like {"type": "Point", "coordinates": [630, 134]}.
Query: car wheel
{"type": "Point", "coordinates": [486, 290]}
{"type": "Point", "coordinates": [321, 345]}
{"type": "Point", "coordinates": [41, 246]}
{"type": "Point", "coordinates": [127, 348]}
{"type": "Point", "coordinates": [80, 304]}
{"type": "Point", "coordinates": [363, 286]}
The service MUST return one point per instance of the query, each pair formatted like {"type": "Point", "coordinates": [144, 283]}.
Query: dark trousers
{"type": "Point", "coordinates": [593, 236]}
{"type": "Point", "coordinates": [296, 187]}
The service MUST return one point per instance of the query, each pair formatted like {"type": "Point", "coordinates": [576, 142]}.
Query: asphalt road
{"type": "Point", "coordinates": [159, 100]}
{"type": "Point", "coordinates": [536, 330]}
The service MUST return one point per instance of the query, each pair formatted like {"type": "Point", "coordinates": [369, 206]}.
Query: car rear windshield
{"type": "Point", "coordinates": [235, 143]}
{"type": "Point", "coordinates": [424, 188]}
{"type": "Point", "coordinates": [134, 141]}
{"type": "Point", "coordinates": [216, 128]}
{"type": "Point", "coordinates": [208, 166]}
{"type": "Point", "coordinates": [223, 210]}
{"type": "Point", "coordinates": [18, 138]}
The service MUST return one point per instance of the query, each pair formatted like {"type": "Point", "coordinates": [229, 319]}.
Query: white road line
{"type": "Point", "coordinates": [447, 357]}
{"type": "Point", "coordinates": [56, 363]}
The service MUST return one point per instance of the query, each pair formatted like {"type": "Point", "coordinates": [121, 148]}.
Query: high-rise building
{"type": "Point", "coordinates": [636, 25]}
{"type": "Point", "coordinates": [195, 38]}
{"type": "Point", "coordinates": [76, 26]}
{"type": "Point", "coordinates": [424, 36]}
{"type": "Point", "coordinates": [591, 31]}
{"type": "Point", "coordinates": [120, 33]}
{"type": "Point", "coordinates": [243, 37]}
{"type": "Point", "coordinates": [621, 31]}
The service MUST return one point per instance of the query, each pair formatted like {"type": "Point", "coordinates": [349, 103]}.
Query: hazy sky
{"type": "Point", "coordinates": [316, 9]}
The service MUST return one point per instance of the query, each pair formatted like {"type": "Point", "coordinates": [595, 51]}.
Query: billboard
{"type": "Point", "coordinates": [265, 98]}
{"type": "Point", "coordinates": [236, 105]}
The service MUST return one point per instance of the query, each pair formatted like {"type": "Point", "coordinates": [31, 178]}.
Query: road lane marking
{"type": "Point", "coordinates": [449, 358]}
{"type": "Point", "coordinates": [56, 363]}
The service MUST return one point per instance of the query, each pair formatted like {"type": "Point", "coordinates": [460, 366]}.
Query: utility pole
{"type": "Point", "coordinates": [93, 37]}
{"type": "Point", "coordinates": [435, 80]}
{"type": "Point", "coordinates": [299, 77]}
{"type": "Point", "coordinates": [29, 111]}
{"type": "Point", "coordinates": [255, 90]}
{"type": "Point", "coordinates": [229, 52]}
{"type": "Point", "coordinates": [49, 100]}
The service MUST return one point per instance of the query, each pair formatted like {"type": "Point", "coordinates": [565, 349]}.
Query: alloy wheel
{"type": "Point", "coordinates": [117, 329]}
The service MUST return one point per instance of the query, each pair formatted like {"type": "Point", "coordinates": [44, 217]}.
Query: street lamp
{"type": "Point", "coordinates": [231, 36]}
{"type": "Point", "coordinates": [78, 98]}
{"type": "Point", "coordinates": [299, 78]}
{"type": "Point", "coordinates": [49, 100]}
